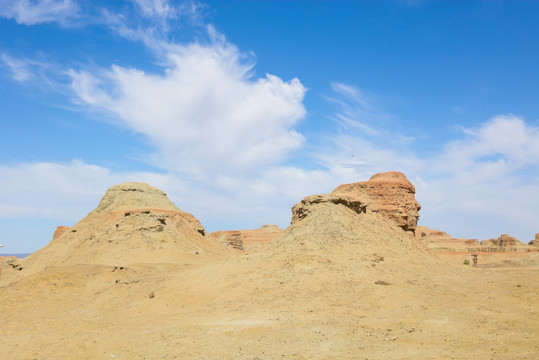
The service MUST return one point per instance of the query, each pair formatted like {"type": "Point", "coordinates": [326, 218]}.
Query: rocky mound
{"type": "Point", "coordinates": [389, 193]}
{"type": "Point", "coordinates": [133, 223]}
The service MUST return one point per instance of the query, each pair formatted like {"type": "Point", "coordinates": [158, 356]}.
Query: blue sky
{"type": "Point", "coordinates": [239, 109]}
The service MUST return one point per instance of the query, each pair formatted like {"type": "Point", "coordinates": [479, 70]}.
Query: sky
{"type": "Point", "coordinates": [239, 109]}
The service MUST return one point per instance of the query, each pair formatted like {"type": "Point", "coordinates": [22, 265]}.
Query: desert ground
{"type": "Point", "coordinates": [140, 279]}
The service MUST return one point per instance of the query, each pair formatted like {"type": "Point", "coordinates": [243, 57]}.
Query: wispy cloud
{"type": "Point", "coordinates": [20, 70]}
{"type": "Point", "coordinates": [31, 12]}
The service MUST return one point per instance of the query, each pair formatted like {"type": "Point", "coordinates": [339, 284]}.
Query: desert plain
{"type": "Point", "coordinates": [352, 277]}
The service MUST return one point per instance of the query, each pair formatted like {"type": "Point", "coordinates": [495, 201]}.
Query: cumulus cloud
{"type": "Point", "coordinates": [207, 113]}
{"type": "Point", "coordinates": [31, 12]}
{"type": "Point", "coordinates": [488, 179]}
{"type": "Point", "coordinates": [65, 191]}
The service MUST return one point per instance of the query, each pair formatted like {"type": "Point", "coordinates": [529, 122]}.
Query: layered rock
{"type": "Point", "coordinates": [134, 222]}
{"type": "Point", "coordinates": [59, 231]}
{"type": "Point", "coordinates": [441, 241]}
{"type": "Point", "coordinates": [502, 244]}
{"type": "Point", "coordinates": [505, 249]}
{"type": "Point", "coordinates": [248, 241]}
{"type": "Point", "coordinates": [389, 194]}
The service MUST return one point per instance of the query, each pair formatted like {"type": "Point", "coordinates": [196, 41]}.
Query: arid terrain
{"type": "Point", "coordinates": [352, 277]}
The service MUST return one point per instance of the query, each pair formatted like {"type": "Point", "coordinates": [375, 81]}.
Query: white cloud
{"type": "Point", "coordinates": [486, 181]}
{"type": "Point", "coordinates": [20, 70]}
{"type": "Point", "coordinates": [207, 114]}
{"type": "Point", "coordinates": [155, 8]}
{"type": "Point", "coordinates": [31, 12]}
{"type": "Point", "coordinates": [66, 191]}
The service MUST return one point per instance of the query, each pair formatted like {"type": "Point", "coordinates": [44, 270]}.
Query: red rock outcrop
{"type": "Point", "coordinates": [248, 241]}
{"type": "Point", "coordinates": [59, 231]}
{"type": "Point", "coordinates": [389, 193]}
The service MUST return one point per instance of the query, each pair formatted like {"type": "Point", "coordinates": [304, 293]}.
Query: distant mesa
{"type": "Point", "coordinates": [390, 194]}
{"type": "Point", "coordinates": [503, 249]}
{"type": "Point", "coordinates": [503, 242]}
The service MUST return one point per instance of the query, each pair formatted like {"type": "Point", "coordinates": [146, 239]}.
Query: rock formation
{"type": "Point", "coordinates": [134, 222]}
{"type": "Point", "coordinates": [389, 193]}
{"type": "Point", "coordinates": [441, 241]}
{"type": "Point", "coordinates": [502, 250]}
{"type": "Point", "coordinates": [503, 243]}
{"type": "Point", "coordinates": [59, 231]}
{"type": "Point", "coordinates": [248, 241]}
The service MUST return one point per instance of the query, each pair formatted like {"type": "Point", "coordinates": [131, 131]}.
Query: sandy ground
{"type": "Point", "coordinates": [336, 286]}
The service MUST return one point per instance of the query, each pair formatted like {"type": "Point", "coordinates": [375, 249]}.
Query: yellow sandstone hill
{"type": "Point", "coordinates": [133, 223]}
{"type": "Point", "coordinates": [346, 280]}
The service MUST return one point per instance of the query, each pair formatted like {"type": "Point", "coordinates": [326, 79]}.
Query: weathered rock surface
{"type": "Point", "coordinates": [389, 193]}
{"type": "Point", "coordinates": [134, 222]}
{"type": "Point", "coordinates": [248, 241]}
{"type": "Point", "coordinates": [59, 231]}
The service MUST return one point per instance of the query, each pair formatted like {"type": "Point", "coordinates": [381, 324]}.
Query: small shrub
{"type": "Point", "coordinates": [466, 262]}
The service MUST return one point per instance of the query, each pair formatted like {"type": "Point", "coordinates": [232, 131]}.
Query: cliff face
{"type": "Point", "coordinates": [390, 194]}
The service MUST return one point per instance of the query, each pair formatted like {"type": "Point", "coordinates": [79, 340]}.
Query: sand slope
{"type": "Point", "coordinates": [335, 285]}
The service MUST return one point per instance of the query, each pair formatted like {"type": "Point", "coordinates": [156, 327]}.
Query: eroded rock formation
{"type": "Point", "coordinates": [504, 242]}
{"type": "Point", "coordinates": [504, 249]}
{"type": "Point", "coordinates": [248, 241]}
{"type": "Point", "coordinates": [389, 193]}
{"type": "Point", "coordinates": [134, 222]}
{"type": "Point", "coordinates": [59, 231]}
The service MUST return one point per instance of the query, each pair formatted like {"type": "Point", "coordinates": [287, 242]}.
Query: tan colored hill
{"type": "Point", "coordinates": [133, 223]}
{"type": "Point", "coordinates": [342, 282]}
